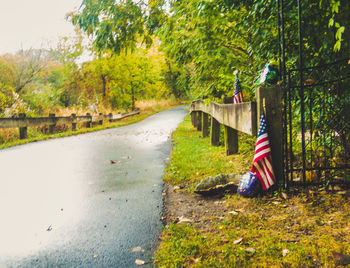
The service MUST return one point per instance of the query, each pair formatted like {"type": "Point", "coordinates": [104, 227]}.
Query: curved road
{"type": "Point", "coordinates": [64, 204]}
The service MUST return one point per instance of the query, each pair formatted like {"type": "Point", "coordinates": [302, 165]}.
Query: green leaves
{"type": "Point", "coordinates": [335, 6]}
{"type": "Point", "coordinates": [212, 38]}
{"type": "Point", "coordinates": [331, 22]}
{"type": "Point", "coordinates": [336, 12]}
{"type": "Point", "coordinates": [338, 37]}
{"type": "Point", "coordinates": [113, 25]}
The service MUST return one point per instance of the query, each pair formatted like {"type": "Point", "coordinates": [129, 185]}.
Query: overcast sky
{"type": "Point", "coordinates": [33, 23]}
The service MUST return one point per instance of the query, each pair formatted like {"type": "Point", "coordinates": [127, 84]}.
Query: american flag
{"type": "Point", "coordinates": [238, 94]}
{"type": "Point", "coordinates": [262, 163]}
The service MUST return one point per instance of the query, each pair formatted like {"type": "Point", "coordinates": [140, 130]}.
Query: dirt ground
{"type": "Point", "coordinates": [181, 206]}
{"type": "Point", "coordinates": [201, 211]}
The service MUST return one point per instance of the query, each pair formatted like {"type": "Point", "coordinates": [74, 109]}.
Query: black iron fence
{"type": "Point", "coordinates": [317, 124]}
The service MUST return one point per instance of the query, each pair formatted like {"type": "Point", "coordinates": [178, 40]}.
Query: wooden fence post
{"type": "Point", "coordinates": [231, 140]}
{"type": "Point", "coordinates": [52, 127]}
{"type": "Point", "coordinates": [88, 124]}
{"type": "Point", "coordinates": [110, 115]}
{"type": "Point", "coordinates": [205, 125]}
{"type": "Point", "coordinates": [271, 97]}
{"type": "Point", "coordinates": [214, 132]}
{"type": "Point", "coordinates": [101, 119]}
{"type": "Point", "coordinates": [193, 118]}
{"type": "Point", "coordinates": [23, 131]}
{"type": "Point", "coordinates": [199, 121]}
{"type": "Point", "coordinates": [74, 122]}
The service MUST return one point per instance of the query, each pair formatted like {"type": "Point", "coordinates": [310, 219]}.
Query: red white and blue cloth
{"type": "Point", "coordinates": [262, 163]}
{"type": "Point", "coordinates": [238, 94]}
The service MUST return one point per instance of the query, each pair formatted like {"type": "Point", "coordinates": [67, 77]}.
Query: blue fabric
{"type": "Point", "coordinates": [249, 185]}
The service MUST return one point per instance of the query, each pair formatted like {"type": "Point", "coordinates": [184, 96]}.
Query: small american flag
{"type": "Point", "coordinates": [262, 163]}
{"type": "Point", "coordinates": [238, 94]}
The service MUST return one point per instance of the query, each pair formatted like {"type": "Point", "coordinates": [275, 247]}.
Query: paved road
{"type": "Point", "coordinates": [63, 204]}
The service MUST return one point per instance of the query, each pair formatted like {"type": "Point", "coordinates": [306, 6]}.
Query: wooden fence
{"type": "Point", "coordinates": [244, 117]}
{"type": "Point", "coordinates": [22, 122]}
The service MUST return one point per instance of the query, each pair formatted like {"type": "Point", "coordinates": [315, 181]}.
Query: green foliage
{"type": "Point", "coordinates": [215, 38]}
{"type": "Point", "coordinates": [6, 97]}
{"type": "Point", "coordinates": [115, 26]}
{"type": "Point", "coordinates": [209, 40]}
{"type": "Point", "coordinates": [338, 10]}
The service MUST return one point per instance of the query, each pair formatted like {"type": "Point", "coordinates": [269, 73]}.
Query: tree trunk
{"type": "Point", "coordinates": [103, 77]}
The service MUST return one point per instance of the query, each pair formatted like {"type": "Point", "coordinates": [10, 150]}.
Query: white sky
{"type": "Point", "coordinates": [34, 23]}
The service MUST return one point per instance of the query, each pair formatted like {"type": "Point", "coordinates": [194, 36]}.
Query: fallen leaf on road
{"type": "Point", "coordinates": [137, 249]}
{"type": "Point", "coordinates": [115, 162]}
{"type": "Point", "coordinates": [139, 262]}
{"type": "Point", "coordinates": [49, 228]}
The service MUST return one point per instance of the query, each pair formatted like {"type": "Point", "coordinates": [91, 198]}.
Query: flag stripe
{"type": "Point", "coordinates": [268, 169]}
{"type": "Point", "coordinates": [261, 176]}
{"type": "Point", "coordinates": [262, 154]}
{"type": "Point", "coordinates": [262, 163]}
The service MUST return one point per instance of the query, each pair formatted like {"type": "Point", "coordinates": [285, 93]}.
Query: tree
{"type": "Point", "coordinates": [24, 67]}
{"type": "Point", "coordinates": [118, 25]}
{"type": "Point", "coordinates": [215, 38]}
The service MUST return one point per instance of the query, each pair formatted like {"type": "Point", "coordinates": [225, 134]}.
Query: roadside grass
{"type": "Point", "coordinates": [301, 229]}
{"type": "Point", "coordinates": [193, 158]}
{"type": "Point", "coordinates": [10, 137]}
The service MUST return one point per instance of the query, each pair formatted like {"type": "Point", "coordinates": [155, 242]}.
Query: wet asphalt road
{"type": "Point", "coordinates": [63, 204]}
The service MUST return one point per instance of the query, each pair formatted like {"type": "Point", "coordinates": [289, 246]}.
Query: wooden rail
{"type": "Point", "coordinates": [241, 117]}
{"type": "Point", "coordinates": [244, 117]}
{"type": "Point", "coordinates": [234, 117]}
{"type": "Point", "coordinates": [22, 122]}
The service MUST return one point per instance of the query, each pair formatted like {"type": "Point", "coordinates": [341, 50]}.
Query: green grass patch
{"type": "Point", "coordinates": [193, 158]}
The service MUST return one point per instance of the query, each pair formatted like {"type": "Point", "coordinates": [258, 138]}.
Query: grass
{"type": "Point", "coordinates": [10, 137]}
{"type": "Point", "coordinates": [193, 158]}
{"type": "Point", "coordinates": [302, 229]}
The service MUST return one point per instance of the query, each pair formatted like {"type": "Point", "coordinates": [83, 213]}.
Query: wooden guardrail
{"type": "Point", "coordinates": [244, 117]}
{"type": "Point", "coordinates": [241, 116]}
{"type": "Point", "coordinates": [22, 122]}
{"type": "Point", "coordinates": [234, 117]}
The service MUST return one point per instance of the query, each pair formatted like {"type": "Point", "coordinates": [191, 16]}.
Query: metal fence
{"type": "Point", "coordinates": [316, 106]}
{"type": "Point", "coordinates": [317, 124]}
